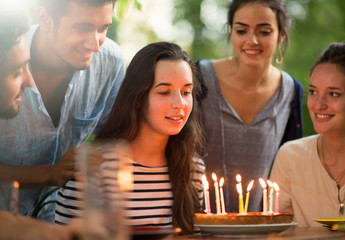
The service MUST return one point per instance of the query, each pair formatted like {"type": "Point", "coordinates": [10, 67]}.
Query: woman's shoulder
{"type": "Point", "coordinates": [301, 143]}
{"type": "Point", "coordinates": [213, 63]}
{"type": "Point", "coordinates": [212, 69]}
{"type": "Point", "coordinates": [204, 64]}
{"type": "Point", "coordinates": [291, 78]}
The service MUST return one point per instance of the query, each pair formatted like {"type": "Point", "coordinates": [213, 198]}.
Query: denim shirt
{"type": "Point", "coordinates": [31, 139]}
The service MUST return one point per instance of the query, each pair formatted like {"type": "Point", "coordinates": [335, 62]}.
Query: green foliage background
{"type": "Point", "coordinates": [315, 24]}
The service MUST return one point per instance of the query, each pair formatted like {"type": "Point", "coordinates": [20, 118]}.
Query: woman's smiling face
{"type": "Point", "coordinates": [326, 100]}
{"type": "Point", "coordinates": [255, 33]}
{"type": "Point", "coordinates": [170, 99]}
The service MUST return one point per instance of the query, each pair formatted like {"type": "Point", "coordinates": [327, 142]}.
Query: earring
{"type": "Point", "coordinates": [279, 58]}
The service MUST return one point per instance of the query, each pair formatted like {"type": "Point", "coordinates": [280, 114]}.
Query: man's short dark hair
{"type": "Point", "coordinates": [14, 22]}
{"type": "Point", "coordinates": [58, 8]}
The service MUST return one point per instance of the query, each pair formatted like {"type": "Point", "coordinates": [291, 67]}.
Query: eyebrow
{"type": "Point", "coordinates": [86, 24]}
{"type": "Point", "coordinates": [331, 88]}
{"type": "Point", "coordinates": [169, 84]}
{"type": "Point", "coordinates": [19, 65]}
{"type": "Point", "coordinates": [259, 25]}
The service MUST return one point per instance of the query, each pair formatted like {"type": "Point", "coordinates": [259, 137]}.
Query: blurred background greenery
{"type": "Point", "coordinates": [199, 26]}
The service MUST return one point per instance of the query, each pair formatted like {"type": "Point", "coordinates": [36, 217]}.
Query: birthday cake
{"type": "Point", "coordinates": [242, 219]}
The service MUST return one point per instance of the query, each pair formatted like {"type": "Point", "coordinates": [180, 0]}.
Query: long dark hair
{"type": "Point", "coordinates": [129, 110]}
{"type": "Point", "coordinates": [277, 6]}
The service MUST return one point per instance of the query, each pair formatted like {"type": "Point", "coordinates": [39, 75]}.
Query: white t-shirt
{"type": "Point", "coordinates": [306, 189]}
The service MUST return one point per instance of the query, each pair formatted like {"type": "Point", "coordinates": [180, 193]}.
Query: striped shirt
{"type": "Point", "coordinates": [149, 203]}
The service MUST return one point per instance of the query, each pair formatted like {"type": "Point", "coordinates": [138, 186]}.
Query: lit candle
{"type": "Point", "coordinates": [264, 195]}
{"type": "Point", "coordinates": [270, 197]}
{"type": "Point", "coordinates": [15, 197]}
{"type": "Point", "coordinates": [239, 179]}
{"type": "Point", "coordinates": [206, 195]}
{"type": "Point", "coordinates": [216, 191]}
{"type": "Point", "coordinates": [250, 185]}
{"type": "Point", "coordinates": [239, 182]}
{"type": "Point", "coordinates": [240, 198]}
{"type": "Point", "coordinates": [276, 206]}
{"type": "Point", "coordinates": [221, 182]}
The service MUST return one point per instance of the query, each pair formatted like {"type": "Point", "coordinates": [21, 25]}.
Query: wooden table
{"type": "Point", "coordinates": [298, 233]}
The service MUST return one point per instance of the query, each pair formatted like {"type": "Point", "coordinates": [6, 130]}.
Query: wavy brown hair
{"type": "Point", "coordinates": [129, 110]}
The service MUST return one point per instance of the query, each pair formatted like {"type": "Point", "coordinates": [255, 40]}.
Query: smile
{"type": "Point", "coordinates": [323, 116]}
{"type": "Point", "coordinates": [18, 99]}
{"type": "Point", "coordinates": [252, 52]}
{"type": "Point", "coordinates": [86, 54]}
{"type": "Point", "coordinates": [175, 118]}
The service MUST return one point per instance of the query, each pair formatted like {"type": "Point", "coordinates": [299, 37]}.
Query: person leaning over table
{"type": "Point", "coordinates": [155, 112]}
{"type": "Point", "coordinates": [311, 171]}
{"type": "Point", "coordinates": [77, 72]}
{"type": "Point", "coordinates": [15, 75]}
{"type": "Point", "coordinates": [251, 106]}
{"type": "Point", "coordinates": [14, 78]}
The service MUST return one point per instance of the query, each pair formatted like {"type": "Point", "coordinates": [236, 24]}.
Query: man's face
{"type": "Point", "coordinates": [15, 76]}
{"type": "Point", "coordinates": [80, 33]}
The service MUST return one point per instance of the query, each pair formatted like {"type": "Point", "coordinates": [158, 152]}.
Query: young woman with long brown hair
{"type": "Point", "coordinates": [155, 113]}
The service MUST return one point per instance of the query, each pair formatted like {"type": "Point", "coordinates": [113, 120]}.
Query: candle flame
{"type": "Point", "coordinates": [238, 178]}
{"type": "Point", "coordinates": [250, 185]}
{"type": "Point", "coordinates": [276, 187]}
{"type": "Point", "coordinates": [16, 184]}
{"type": "Point", "coordinates": [125, 179]}
{"type": "Point", "coordinates": [239, 188]}
{"type": "Point", "coordinates": [206, 185]}
{"type": "Point", "coordinates": [262, 182]}
{"type": "Point", "coordinates": [203, 179]}
{"type": "Point", "coordinates": [269, 183]}
{"type": "Point", "coordinates": [221, 182]}
{"type": "Point", "coordinates": [214, 177]}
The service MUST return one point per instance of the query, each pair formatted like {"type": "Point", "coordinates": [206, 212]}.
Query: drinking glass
{"type": "Point", "coordinates": [107, 174]}
{"type": "Point", "coordinates": [9, 196]}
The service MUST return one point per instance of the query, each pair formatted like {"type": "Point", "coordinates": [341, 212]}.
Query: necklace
{"type": "Point", "coordinates": [337, 179]}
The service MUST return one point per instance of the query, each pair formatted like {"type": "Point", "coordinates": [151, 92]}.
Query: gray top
{"type": "Point", "coordinates": [234, 147]}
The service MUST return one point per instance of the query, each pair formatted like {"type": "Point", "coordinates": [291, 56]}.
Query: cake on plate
{"type": "Point", "coordinates": [242, 219]}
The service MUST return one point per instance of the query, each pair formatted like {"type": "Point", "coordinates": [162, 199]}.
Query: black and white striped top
{"type": "Point", "coordinates": [148, 204]}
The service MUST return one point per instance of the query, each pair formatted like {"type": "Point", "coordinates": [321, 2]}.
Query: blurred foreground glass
{"type": "Point", "coordinates": [107, 174]}
{"type": "Point", "coordinates": [9, 196]}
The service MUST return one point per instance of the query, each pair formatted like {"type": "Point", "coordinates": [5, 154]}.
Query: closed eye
{"type": "Point", "coordinates": [266, 33]}
{"type": "Point", "coordinates": [164, 93]}
{"type": "Point", "coordinates": [17, 73]}
{"type": "Point", "coordinates": [104, 29]}
{"type": "Point", "coordinates": [240, 31]}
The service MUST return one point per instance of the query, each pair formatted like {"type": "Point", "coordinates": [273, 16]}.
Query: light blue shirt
{"type": "Point", "coordinates": [31, 139]}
